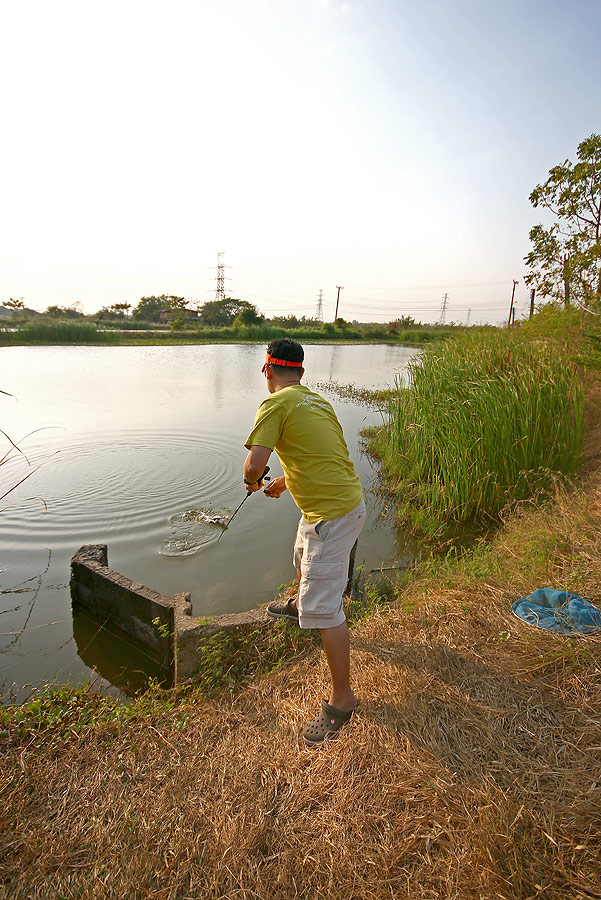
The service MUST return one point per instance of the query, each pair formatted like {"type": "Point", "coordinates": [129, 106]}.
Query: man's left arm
{"type": "Point", "coordinates": [254, 466]}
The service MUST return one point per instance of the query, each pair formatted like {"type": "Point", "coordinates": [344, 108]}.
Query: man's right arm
{"type": "Point", "coordinates": [261, 440]}
{"type": "Point", "coordinates": [254, 466]}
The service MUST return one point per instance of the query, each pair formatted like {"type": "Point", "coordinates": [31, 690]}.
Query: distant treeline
{"type": "Point", "coordinates": [44, 331]}
{"type": "Point", "coordinates": [222, 320]}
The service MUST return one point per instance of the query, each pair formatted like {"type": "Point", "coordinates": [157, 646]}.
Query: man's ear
{"type": "Point", "coordinates": [302, 372]}
{"type": "Point", "coordinates": [268, 373]}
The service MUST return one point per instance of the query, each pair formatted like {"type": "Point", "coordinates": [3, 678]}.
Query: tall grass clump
{"type": "Point", "coordinates": [59, 333]}
{"type": "Point", "coordinates": [491, 418]}
{"type": "Point", "coordinates": [424, 335]}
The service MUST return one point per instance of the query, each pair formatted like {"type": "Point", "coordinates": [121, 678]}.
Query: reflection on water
{"type": "Point", "coordinates": [116, 660]}
{"type": "Point", "coordinates": [141, 445]}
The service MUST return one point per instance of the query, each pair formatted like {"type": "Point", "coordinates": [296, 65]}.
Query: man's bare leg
{"type": "Point", "coordinates": [336, 645]}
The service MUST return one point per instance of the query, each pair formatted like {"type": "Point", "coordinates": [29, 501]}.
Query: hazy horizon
{"type": "Point", "coordinates": [384, 147]}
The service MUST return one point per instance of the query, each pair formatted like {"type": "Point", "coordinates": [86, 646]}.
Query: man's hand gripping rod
{"type": "Point", "coordinates": [259, 480]}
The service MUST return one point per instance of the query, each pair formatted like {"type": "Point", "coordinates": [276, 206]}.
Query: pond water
{"type": "Point", "coordinates": [133, 447]}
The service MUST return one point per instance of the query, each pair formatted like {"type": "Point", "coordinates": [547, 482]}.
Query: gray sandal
{"type": "Point", "coordinates": [325, 725]}
{"type": "Point", "coordinates": [283, 611]}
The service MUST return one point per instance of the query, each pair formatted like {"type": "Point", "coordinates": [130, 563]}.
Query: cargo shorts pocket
{"type": "Point", "coordinates": [321, 587]}
{"type": "Point", "coordinates": [320, 571]}
{"type": "Point", "coordinates": [321, 529]}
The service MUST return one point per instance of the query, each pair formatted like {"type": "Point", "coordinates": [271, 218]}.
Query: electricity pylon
{"type": "Point", "coordinates": [319, 310]}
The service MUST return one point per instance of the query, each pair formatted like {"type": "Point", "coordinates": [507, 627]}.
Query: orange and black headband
{"type": "Point", "coordinates": [272, 361]}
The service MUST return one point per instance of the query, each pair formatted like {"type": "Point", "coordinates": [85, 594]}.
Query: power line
{"type": "Point", "coordinates": [270, 287]}
{"type": "Point", "coordinates": [359, 302]}
{"type": "Point", "coordinates": [387, 311]}
{"type": "Point", "coordinates": [428, 287]}
{"type": "Point", "coordinates": [284, 291]}
{"type": "Point", "coordinates": [391, 309]}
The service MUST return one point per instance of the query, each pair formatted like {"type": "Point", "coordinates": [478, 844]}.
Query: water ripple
{"type": "Point", "coordinates": [138, 480]}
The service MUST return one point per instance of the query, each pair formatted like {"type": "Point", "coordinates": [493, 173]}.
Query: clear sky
{"type": "Point", "coordinates": [388, 146]}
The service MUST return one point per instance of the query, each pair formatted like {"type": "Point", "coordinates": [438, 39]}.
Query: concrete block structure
{"type": "Point", "coordinates": [162, 627]}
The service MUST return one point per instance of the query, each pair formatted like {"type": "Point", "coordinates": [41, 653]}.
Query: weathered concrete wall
{"type": "Point", "coordinates": [138, 612]}
{"type": "Point", "coordinates": [191, 632]}
{"type": "Point", "coordinates": [130, 608]}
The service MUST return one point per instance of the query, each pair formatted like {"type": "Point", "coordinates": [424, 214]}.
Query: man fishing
{"type": "Point", "coordinates": [306, 435]}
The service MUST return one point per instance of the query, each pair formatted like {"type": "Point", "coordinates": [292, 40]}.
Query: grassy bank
{"type": "Point", "coordinates": [491, 418]}
{"type": "Point", "coordinates": [51, 332]}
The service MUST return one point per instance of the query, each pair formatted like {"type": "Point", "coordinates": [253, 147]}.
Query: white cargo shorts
{"type": "Point", "coordinates": [321, 552]}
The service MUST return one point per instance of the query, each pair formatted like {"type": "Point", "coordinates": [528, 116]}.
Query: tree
{"type": "Point", "coordinates": [400, 324]}
{"type": "Point", "coordinates": [65, 312]}
{"type": "Point", "coordinates": [291, 322]}
{"type": "Point", "coordinates": [15, 304]}
{"type": "Point", "coordinates": [121, 307]}
{"type": "Point", "coordinates": [286, 321]}
{"type": "Point", "coordinates": [565, 260]}
{"type": "Point", "coordinates": [221, 313]}
{"type": "Point", "coordinates": [148, 308]}
{"type": "Point", "coordinates": [249, 315]}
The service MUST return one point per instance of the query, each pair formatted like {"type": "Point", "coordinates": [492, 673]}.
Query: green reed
{"type": "Point", "coordinates": [490, 419]}
{"type": "Point", "coordinates": [57, 333]}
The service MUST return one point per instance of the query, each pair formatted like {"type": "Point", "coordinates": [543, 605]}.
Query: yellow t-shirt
{"type": "Point", "coordinates": [303, 430]}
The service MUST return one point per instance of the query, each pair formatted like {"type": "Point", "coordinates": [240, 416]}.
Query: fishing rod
{"type": "Point", "coordinates": [263, 477]}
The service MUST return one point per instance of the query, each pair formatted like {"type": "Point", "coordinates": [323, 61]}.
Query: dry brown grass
{"type": "Point", "coordinates": [473, 769]}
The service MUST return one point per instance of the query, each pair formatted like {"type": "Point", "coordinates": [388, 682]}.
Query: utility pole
{"type": "Point", "coordinates": [319, 310]}
{"type": "Point", "coordinates": [566, 280]}
{"type": "Point", "coordinates": [532, 293]}
{"type": "Point", "coordinates": [511, 311]}
{"type": "Point", "coordinates": [443, 309]}
{"type": "Point", "coordinates": [467, 321]}
{"type": "Point", "coordinates": [337, 299]}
